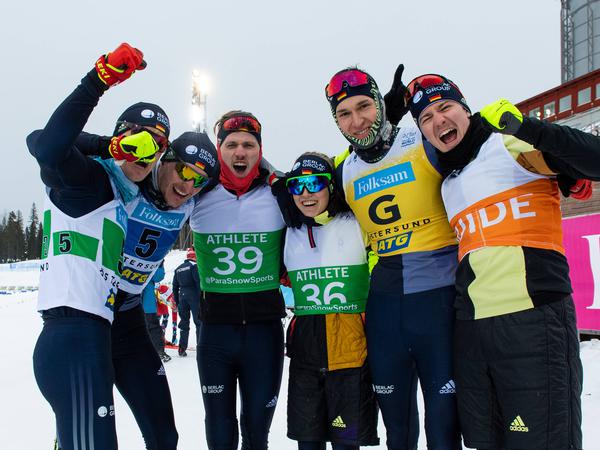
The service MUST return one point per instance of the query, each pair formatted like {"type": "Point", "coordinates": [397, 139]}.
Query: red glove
{"type": "Point", "coordinates": [582, 190]}
{"type": "Point", "coordinates": [285, 280]}
{"type": "Point", "coordinates": [120, 64]}
{"type": "Point", "coordinates": [135, 147]}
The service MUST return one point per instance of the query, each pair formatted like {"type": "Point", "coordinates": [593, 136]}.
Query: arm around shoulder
{"type": "Point", "coordinates": [566, 150]}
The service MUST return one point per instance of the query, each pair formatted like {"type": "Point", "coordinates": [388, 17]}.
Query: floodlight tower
{"type": "Point", "coordinates": [199, 94]}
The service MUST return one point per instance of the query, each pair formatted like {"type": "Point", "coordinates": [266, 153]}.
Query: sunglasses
{"type": "Point", "coordinates": [352, 77]}
{"type": "Point", "coordinates": [161, 141]}
{"type": "Point", "coordinates": [424, 82]}
{"type": "Point", "coordinates": [312, 183]}
{"type": "Point", "coordinates": [242, 123]}
{"type": "Point", "coordinates": [186, 173]}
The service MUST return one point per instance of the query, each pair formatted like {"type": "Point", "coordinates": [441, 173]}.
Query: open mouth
{"type": "Point", "coordinates": [309, 203]}
{"type": "Point", "coordinates": [180, 193]}
{"type": "Point", "coordinates": [240, 166]}
{"type": "Point", "coordinates": [448, 136]}
{"type": "Point", "coordinates": [141, 164]}
{"type": "Point", "coordinates": [361, 134]}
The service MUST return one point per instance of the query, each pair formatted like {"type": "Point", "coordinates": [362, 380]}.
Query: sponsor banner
{"type": "Point", "coordinates": [581, 237]}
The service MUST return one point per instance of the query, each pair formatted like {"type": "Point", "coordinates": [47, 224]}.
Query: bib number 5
{"type": "Point", "coordinates": [246, 256]}
{"type": "Point", "coordinates": [328, 296]}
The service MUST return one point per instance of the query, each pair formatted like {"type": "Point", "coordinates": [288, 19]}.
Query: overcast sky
{"type": "Point", "coordinates": [272, 58]}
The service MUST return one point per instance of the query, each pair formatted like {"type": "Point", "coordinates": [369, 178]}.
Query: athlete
{"type": "Point", "coordinates": [237, 237]}
{"type": "Point", "coordinates": [392, 184]}
{"type": "Point", "coordinates": [330, 397]}
{"type": "Point", "coordinates": [518, 372]}
{"type": "Point", "coordinates": [84, 229]}
{"type": "Point", "coordinates": [157, 207]}
{"type": "Point", "coordinates": [186, 292]}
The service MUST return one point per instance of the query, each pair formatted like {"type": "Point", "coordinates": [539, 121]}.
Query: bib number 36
{"type": "Point", "coordinates": [328, 296]}
{"type": "Point", "coordinates": [250, 258]}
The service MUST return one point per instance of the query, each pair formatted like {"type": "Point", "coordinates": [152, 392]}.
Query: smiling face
{"type": "Point", "coordinates": [311, 205]}
{"type": "Point", "coordinates": [175, 190]}
{"type": "Point", "coordinates": [240, 152]}
{"type": "Point", "coordinates": [444, 124]}
{"type": "Point", "coordinates": [137, 171]}
{"type": "Point", "coordinates": [356, 115]}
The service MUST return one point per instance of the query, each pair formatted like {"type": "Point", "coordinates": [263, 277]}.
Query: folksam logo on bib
{"type": "Point", "coordinates": [392, 176]}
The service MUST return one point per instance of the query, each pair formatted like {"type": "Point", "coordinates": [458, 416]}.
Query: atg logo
{"type": "Point", "coordinates": [394, 243]}
{"type": "Point", "coordinates": [392, 176]}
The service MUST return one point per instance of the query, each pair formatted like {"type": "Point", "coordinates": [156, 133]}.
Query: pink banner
{"type": "Point", "coordinates": [582, 245]}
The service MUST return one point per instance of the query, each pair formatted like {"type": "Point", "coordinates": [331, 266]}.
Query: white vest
{"type": "Point", "coordinates": [80, 258]}
{"type": "Point", "coordinates": [332, 277]}
{"type": "Point", "coordinates": [494, 201]}
{"type": "Point", "coordinates": [238, 240]}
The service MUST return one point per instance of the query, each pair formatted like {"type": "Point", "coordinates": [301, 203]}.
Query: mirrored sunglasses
{"type": "Point", "coordinates": [312, 183]}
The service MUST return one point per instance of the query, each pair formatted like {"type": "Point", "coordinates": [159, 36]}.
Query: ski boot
{"type": "Point", "coordinates": [164, 357]}
{"type": "Point", "coordinates": [182, 352]}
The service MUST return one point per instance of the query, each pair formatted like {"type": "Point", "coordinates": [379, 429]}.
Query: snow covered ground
{"type": "Point", "coordinates": [27, 422]}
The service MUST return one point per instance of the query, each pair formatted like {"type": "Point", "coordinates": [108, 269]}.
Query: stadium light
{"type": "Point", "coordinates": [200, 87]}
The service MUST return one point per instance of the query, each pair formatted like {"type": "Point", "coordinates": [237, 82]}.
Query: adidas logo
{"type": "Point", "coordinates": [338, 422]}
{"type": "Point", "coordinates": [519, 425]}
{"type": "Point", "coordinates": [448, 388]}
{"type": "Point", "coordinates": [272, 403]}
{"type": "Point", "coordinates": [161, 371]}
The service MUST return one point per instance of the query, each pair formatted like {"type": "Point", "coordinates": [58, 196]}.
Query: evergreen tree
{"type": "Point", "coordinates": [31, 235]}
{"type": "Point", "coordinates": [39, 239]}
{"type": "Point", "coordinates": [3, 244]}
{"type": "Point", "coordinates": [20, 241]}
{"type": "Point", "coordinates": [11, 238]}
{"type": "Point", "coordinates": [185, 238]}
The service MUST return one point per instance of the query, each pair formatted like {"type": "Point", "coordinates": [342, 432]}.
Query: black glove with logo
{"type": "Point", "coordinates": [395, 100]}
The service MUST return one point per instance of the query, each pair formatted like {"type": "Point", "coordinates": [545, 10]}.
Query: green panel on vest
{"type": "Point", "coordinates": [74, 243]}
{"type": "Point", "coordinates": [239, 262]}
{"type": "Point", "coordinates": [112, 245]}
{"type": "Point", "coordinates": [47, 224]}
{"type": "Point", "coordinates": [328, 290]}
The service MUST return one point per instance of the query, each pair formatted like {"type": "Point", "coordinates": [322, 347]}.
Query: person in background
{"type": "Point", "coordinates": [330, 396]}
{"type": "Point", "coordinates": [149, 304]}
{"type": "Point", "coordinates": [164, 302]}
{"type": "Point", "coordinates": [186, 293]}
{"type": "Point", "coordinates": [174, 322]}
{"type": "Point", "coordinates": [516, 349]}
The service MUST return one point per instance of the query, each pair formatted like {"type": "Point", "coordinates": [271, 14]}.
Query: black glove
{"type": "Point", "coordinates": [291, 215]}
{"type": "Point", "coordinates": [395, 100]}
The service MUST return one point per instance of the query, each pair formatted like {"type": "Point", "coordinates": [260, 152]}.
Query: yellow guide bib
{"type": "Point", "coordinates": [397, 200]}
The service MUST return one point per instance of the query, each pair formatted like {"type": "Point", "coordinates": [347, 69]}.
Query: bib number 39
{"type": "Point", "coordinates": [246, 256]}
{"type": "Point", "coordinates": [328, 296]}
